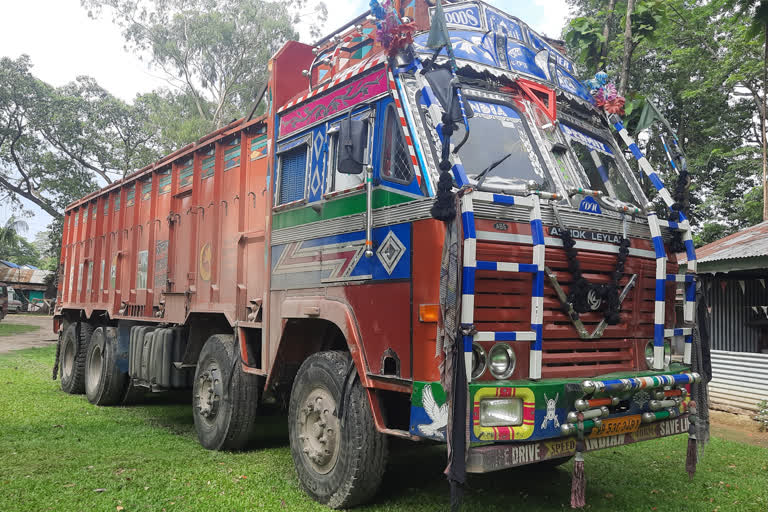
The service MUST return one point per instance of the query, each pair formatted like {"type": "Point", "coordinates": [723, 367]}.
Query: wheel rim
{"type": "Point", "coordinates": [318, 429]}
{"type": "Point", "coordinates": [209, 392]}
{"type": "Point", "coordinates": [95, 366]}
{"type": "Point", "coordinates": [68, 359]}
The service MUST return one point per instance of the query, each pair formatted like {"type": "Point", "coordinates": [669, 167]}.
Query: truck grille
{"type": "Point", "coordinates": [502, 303]}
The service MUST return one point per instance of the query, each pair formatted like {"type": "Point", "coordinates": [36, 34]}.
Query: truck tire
{"type": "Point", "coordinates": [338, 466]}
{"type": "Point", "coordinates": [73, 358]}
{"type": "Point", "coordinates": [224, 415]}
{"type": "Point", "coordinates": [104, 382]}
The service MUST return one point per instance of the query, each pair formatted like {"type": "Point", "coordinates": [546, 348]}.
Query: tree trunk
{"type": "Point", "coordinates": [765, 143]}
{"type": "Point", "coordinates": [606, 34]}
{"type": "Point", "coordinates": [628, 48]}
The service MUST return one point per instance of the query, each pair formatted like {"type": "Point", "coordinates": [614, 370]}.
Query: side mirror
{"type": "Point", "coordinates": [353, 135]}
{"type": "Point", "coordinates": [441, 82]}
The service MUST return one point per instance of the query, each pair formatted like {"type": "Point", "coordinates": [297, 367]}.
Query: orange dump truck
{"type": "Point", "coordinates": [396, 208]}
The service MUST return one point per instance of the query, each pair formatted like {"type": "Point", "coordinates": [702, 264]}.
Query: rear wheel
{"type": "Point", "coordinates": [72, 356]}
{"type": "Point", "coordinates": [224, 398]}
{"type": "Point", "coordinates": [339, 466]}
{"type": "Point", "coordinates": [104, 382]}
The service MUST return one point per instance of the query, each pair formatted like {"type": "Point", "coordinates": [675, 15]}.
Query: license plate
{"type": "Point", "coordinates": [614, 426]}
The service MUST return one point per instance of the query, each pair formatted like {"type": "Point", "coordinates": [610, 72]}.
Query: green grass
{"type": "Point", "coordinates": [8, 329]}
{"type": "Point", "coordinates": [57, 452]}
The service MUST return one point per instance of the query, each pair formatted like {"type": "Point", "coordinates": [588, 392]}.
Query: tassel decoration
{"type": "Point", "coordinates": [691, 454]}
{"type": "Point", "coordinates": [579, 479]}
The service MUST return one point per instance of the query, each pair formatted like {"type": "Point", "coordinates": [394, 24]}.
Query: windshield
{"type": "Point", "coordinates": [498, 136]}
{"type": "Point", "coordinates": [598, 160]}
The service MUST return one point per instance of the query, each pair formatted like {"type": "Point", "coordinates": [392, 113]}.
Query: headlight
{"type": "Point", "coordinates": [502, 361]}
{"type": "Point", "coordinates": [501, 412]}
{"type": "Point", "coordinates": [667, 353]}
{"type": "Point", "coordinates": [649, 354]}
{"type": "Point", "coordinates": [479, 361]}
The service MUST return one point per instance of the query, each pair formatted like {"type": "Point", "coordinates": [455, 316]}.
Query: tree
{"type": "Point", "coordinates": [58, 144]}
{"type": "Point", "coordinates": [706, 77]}
{"type": "Point", "coordinates": [13, 247]}
{"type": "Point", "coordinates": [214, 52]}
{"type": "Point", "coordinates": [758, 10]}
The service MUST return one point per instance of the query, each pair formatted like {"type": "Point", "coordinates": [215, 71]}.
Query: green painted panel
{"type": "Point", "coordinates": [336, 208]}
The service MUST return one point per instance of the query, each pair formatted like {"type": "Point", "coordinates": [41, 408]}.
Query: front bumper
{"type": "Point", "coordinates": [546, 404]}
{"type": "Point", "coordinates": [484, 459]}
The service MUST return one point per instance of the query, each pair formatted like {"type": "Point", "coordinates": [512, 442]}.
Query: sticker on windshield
{"type": "Point", "coordinates": [586, 140]}
{"type": "Point", "coordinates": [493, 110]}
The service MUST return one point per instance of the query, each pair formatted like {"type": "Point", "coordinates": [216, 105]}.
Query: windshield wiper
{"type": "Point", "coordinates": [480, 178]}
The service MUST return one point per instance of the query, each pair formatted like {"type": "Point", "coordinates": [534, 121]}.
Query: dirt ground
{"type": "Point", "coordinates": [40, 338]}
{"type": "Point", "coordinates": [735, 427]}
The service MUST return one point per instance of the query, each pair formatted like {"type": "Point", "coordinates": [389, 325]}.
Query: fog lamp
{"type": "Point", "coordinates": [501, 360]}
{"type": "Point", "coordinates": [479, 361]}
{"type": "Point", "coordinates": [501, 412]}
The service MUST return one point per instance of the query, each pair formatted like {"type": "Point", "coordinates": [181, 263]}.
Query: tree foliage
{"type": "Point", "coordinates": [13, 246]}
{"type": "Point", "coordinates": [58, 144]}
{"type": "Point", "coordinates": [697, 65]}
{"type": "Point", "coordinates": [215, 52]}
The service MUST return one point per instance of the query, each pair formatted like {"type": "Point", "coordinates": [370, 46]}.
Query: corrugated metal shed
{"type": "Point", "coordinates": [738, 380]}
{"type": "Point", "coordinates": [744, 250]}
{"type": "Point", "coordinates": [736, 307]}
{"type": "Point", "coordinates": [24, 276]}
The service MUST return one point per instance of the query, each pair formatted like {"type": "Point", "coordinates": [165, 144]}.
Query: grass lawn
{"type": "Point", "coordinates": [9, 329]}
{"type": "Point", "coordinates": [58, 452]}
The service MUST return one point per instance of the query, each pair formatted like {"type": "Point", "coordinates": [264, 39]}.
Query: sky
{"type": "Point", "coordinates": [66, 43]}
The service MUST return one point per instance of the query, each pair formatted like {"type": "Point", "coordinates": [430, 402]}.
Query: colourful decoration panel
{"type": "Point", "coordinates": [259, 147]}
{"type": "Point", "coordinates": [130, 196]}
{"type": "Point", "coordinates": [232, 155]}
{"type": "Point", "coordinates": [165, 182]}
{"type": "Point", "coordinates": [208, 165]}
{"type": "Point", "coordinates": [146, 190]}
{"type": "Point", "coordinates": [340, 259]}
{"type": "Point", "coordinates": [186, 174]}
{"type": "Point", "coordinates": [117, 203]}
{"type": "Point", "coordinates": [347, 96]}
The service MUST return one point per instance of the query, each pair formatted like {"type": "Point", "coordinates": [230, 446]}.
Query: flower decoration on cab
{"type": "Point", "coordinates": [605, 94]}
{"type": "Point", "coordinates": [392, 33]}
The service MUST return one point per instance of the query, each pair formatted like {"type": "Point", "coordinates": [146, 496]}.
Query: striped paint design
{"type": "Point", "coordinates": [656, 381]}
{"type": "Point", "coordinates": [660, 298]}
{"type": "Point", "coordinates": [232, 156]}
{"type": "Point", "coordinates": [420, 176]}
{"type": "Point", "coordinates": [537, 295]}
{"type": "Point", "coordinates": [471, 266]}
{"type": "Point", "coordinates": [417, 144]}
{"type": "Point", "coordinates": [682, 225]}
{"type": "Point", "coordinates": [505, 336]}
{"type": "Point", "coordinates": [186, 173]}
{"type": "Point", "coordinates": [208, 166]}
{"type": "Point", "coordinates": [339, 78]}
{"type": "Point", "coordinates": [468, 277]}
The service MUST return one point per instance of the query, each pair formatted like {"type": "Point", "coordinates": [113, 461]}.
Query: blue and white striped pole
{"type": "Point", "coordinates": [468, 278]}
{"type": "Point", "coordinates": [537, 300]}
{"type": "Point", "coordinates": [660, 296]}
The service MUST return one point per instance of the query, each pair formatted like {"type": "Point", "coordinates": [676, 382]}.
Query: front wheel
{"type": "Point", "coordinates": [224, 398]}
{"type": "Point", "coordinates": [339, 464]}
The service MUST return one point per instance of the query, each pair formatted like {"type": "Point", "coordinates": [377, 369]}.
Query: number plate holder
{"type": "Point", "coordinates": [620, 425]}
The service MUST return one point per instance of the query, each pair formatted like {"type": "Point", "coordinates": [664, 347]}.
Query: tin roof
{"type": "Point", "coordinates": [11, 275]}
{"type": "Point", "coordinates": [748, 243]}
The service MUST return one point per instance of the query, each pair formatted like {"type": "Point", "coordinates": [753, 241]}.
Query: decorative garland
{"type": "Point", "coordinates": [580, 287]}
{"type": "Point", "coordinates": [682, 204]}
{"type": "Point", "coordinates": [605, 94]}
{"type": "Point", "coordinates": [391, 32]}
